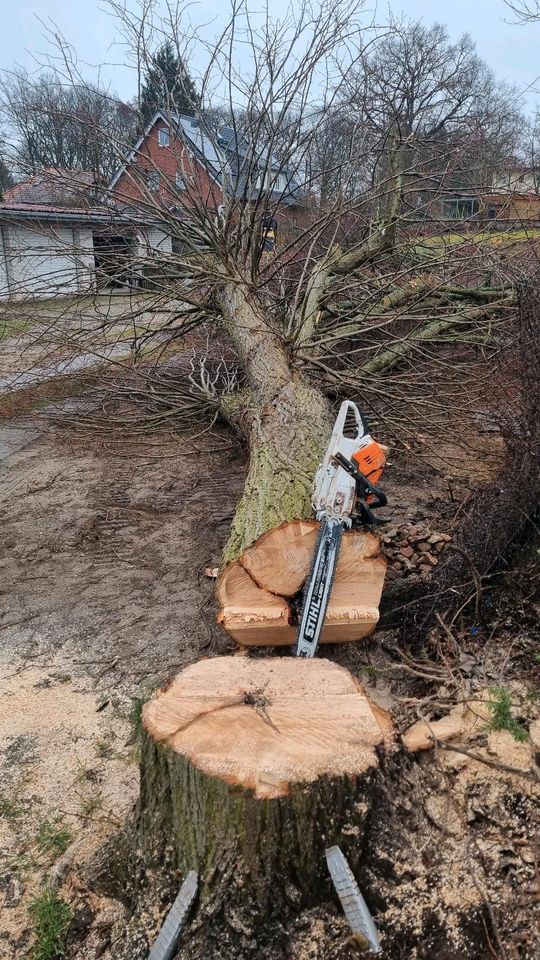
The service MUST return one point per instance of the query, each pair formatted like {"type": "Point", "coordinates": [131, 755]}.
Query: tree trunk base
{"type": "Point", "coordinates": [257, 592]}
{"type": "Point", "coordinates": [250, 769]}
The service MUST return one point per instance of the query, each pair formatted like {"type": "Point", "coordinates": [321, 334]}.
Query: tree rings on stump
{"type": "Point", "coordinates": [255, 591]}
{"type": "Point", "coordinates": [264, 724]}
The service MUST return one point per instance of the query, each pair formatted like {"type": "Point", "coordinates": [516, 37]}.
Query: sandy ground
{"type": "Point", "coordinates": [104, 548]}
{"type": "Point", "coordinates": [68, 772]}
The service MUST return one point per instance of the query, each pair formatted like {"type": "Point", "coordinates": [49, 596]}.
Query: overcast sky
{"type": "Point", "coordinates": [511, 50]}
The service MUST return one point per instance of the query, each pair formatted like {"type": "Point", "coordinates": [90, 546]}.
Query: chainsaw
{"type": "Point", "coordinates": [345, 494]}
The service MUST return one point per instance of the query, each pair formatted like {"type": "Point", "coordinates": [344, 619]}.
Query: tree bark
{"type": "Point", "coordinates": [285, 420]}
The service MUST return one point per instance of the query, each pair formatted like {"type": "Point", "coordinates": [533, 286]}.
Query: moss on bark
{"type": "Point", "coordinates": [287, 439]}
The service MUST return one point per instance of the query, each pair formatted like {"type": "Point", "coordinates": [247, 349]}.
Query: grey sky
{"type": "Point", "coordinates": [511, 50]}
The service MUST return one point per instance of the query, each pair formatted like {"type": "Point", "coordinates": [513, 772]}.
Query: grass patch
{"type": "Point", "coordinates": [10, 809]}
{"type": "Point", "coordinates": [500, 707]}
{"type": "Point", "coordinates": [10, 327]}
{"type": "Point", "coordinates": [53, 836]}
{"type": "Point", "coordinates": [90, 803]}
{"type": "Point", "coordinates": [437, 244]}
{"type": "Point", "coordinates": [51, 916]}
{"type": "Point", "coordinates": [15, 403]}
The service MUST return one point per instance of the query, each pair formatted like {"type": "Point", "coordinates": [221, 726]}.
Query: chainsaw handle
{"type": "Point", "coordinates": [344, 409]}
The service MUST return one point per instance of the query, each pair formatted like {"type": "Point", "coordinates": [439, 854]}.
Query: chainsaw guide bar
{"type": "Point", "coordinates": [344, 493]}
{"type": "Point", "coordinates": [319, 585]}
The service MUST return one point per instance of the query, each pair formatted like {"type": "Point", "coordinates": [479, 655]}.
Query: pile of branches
{"type": "Point", "coordinates": [494, 515]}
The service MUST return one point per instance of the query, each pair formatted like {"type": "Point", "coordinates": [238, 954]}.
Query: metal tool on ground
{"type": "Point", "coordinates": [354, 906]}
{"type": "Point", "coordinates": [345, 494]}
{"type": "Point", "coordinates": [166, 943]}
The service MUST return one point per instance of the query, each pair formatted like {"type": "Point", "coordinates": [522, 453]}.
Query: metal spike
{"type": "Point", "coordinates": [352, 901]}
{"type": "Point", "coordinates": [164, 947]}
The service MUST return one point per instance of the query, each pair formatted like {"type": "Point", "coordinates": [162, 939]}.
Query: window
{"type": "Point", "coordinates": [164, 138]}
{"type": "Point", "coordinates": [153, 180]}
{"type": "Point", "coordinates": [179, 181]}
{"type": "Point", "coordinates": [460, 208]}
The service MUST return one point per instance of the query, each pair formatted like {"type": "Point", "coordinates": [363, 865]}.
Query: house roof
{"type": "Point", "coordinates": [195, 138]}
{"type": "Point", "coordinates": [50, 212]}
{"type": "Point", "coordinates": [52, 185]}
{"type": "Point", "coordinates": [239, 151]}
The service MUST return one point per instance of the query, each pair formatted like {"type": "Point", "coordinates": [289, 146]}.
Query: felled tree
{"type": "Point", "coordinates": [355, 292]}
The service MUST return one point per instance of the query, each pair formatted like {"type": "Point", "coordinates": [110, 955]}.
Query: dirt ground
{"type": "Point", "coordinates": [103, 596]}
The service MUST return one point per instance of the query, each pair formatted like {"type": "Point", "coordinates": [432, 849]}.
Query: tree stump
{"type": "Point", "coordinates": [255, 592]}
{"type": "Point", "coordinates": [250, 768]}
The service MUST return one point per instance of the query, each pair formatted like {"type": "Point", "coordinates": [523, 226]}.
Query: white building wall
{"type": "Point", "coordinates": [4, 284]}
{"type": "Point", "coordinates": [158, 240]}
{"type": "Point", "coordinates": [514, 180]}
{"type": "Point", "coordinates": [45, 261]}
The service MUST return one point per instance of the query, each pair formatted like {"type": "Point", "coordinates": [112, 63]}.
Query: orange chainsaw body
{"type": "Point", "coordinates": [371, 461]}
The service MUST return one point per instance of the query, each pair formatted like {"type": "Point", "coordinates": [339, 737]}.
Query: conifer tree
{"type": "Point", "coordinates": [167, 85]}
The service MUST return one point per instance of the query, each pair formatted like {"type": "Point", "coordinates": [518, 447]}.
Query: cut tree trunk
{"type": "Point", "coordinates": [255, 592]}
{"type": "Point", "coordinates": [285, 420]}
{"type": "Point", "coordinates": [250, 768]}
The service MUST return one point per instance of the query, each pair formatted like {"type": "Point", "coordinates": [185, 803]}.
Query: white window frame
{"type": "Point", "coordinates": [164, 137]}
{"type": "Point", "coordinates": [179, 181]}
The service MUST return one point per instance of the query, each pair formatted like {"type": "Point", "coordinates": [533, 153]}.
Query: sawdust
{"type": "Point", "coordinates": [64, 762]}
{"type": "Point", "coordinates": [456, 835]}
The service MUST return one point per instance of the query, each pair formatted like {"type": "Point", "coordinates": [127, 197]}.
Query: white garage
{"type": "Point", "coordinates": [48, 251]}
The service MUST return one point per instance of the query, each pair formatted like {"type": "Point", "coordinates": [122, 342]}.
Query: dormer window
{"type": "Point", "coordinates": [164, 138]}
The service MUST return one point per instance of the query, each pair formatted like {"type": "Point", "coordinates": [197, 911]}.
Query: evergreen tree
{"type": "Point", "coordinates": [6, 180]}
{"type": "Point", "coordinates": [167, 85]}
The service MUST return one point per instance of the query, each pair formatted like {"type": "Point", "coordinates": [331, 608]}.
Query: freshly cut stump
{"type": "Point", "coordinates": [254, 593]}
{"type": "Point", "coordinates": [250, 768]}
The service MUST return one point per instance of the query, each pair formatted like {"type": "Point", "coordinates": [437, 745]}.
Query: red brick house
{"type": "Point", "coordinates": [175, 166]}
{"type": "Point", "coordinates": [180, 166]}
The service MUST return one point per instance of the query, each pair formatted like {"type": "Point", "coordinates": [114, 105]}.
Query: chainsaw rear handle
{"type": "Point", "coordinates": [339, 427]}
